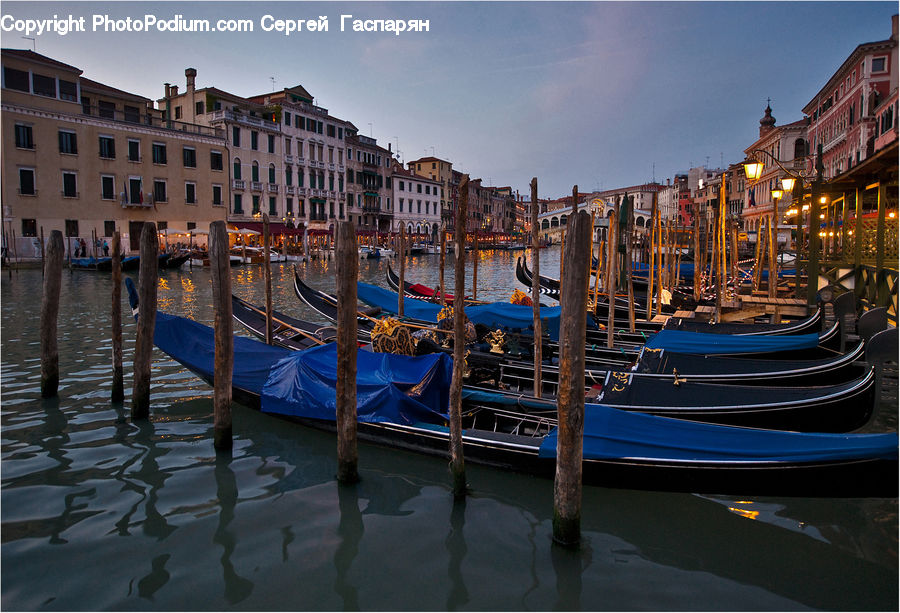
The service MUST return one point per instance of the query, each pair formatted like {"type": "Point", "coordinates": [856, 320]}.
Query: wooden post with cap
{"type": "Point", "coordinates": [117, 393]}
{"type": "Point", "coordinates": [143, 348]}
{"type": "Point", "coordinates": [347, 263]}
{"type": "Point", "coordinates": [457, 461]}
{"type": "Point", "coordinates": [536, 288]}
{"type": "Point", "coordinates": [223, 330]}
{"type": "Point", "coordinates": [49, 316]}
{"type": "Point", "coordinates": [569, 449]}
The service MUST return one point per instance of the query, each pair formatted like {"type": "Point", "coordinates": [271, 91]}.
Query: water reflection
{"type": "Point", "coordinates": [350, 532]}
{"type": "Point", "coordinates": [458, 595]}
{"type": "Point", "coordinates": [237, 588]}
{"type": "Point", "coordinates": [167, 523]}
{"type": "Point", "coordinates": [569, 564]}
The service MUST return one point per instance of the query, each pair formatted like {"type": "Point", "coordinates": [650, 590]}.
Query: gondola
{"type": "Point", "coordinates": [813, 323]}
{"type": "Point", "coordinates": [550, 288]}
{"type": "Point", "coordinates": [831, 408]}
{"type": "Point", "coordinates": [514, 373]}
{"type": "Point", "coordinates": [598, 356]}
{"type": "Point", "coordinates": [517, 318]}
{"type": "Point", "coordinates": [419, 291]}
{"type": "Point", "coordinates": [176, 260]}
{"type": "Point", "coordinates": [620, 449]}
{"type": "Point", "coordinates": [104, 264]}
{"type": "Point", "coordinates": [287, 331]}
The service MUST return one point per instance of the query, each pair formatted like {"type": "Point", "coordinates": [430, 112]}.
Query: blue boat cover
{"type": "Point", "coordinates": [389, 388]}
{"type": "Point", "coordinates": [707, 343]}
{"type": "Point", "coordinates": [504, 315]}
{"type": "Point", "coordinates": [392, 388]}
{"type": "Point", "coordinates": [193, 345]}
{"type": "Point", "coordinates": [614, 434]}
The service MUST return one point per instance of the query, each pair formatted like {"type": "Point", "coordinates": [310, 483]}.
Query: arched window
{"type": "Point", "coordinates": [639, 222]}
{"type": "Point", "coordinates": [254, 172]}
{"type": "Point", "coordinates": [545, 225]}
{"type": "Point", "coordinates": [271, 173]}
{"type": "Point", "coordinates": [237, 169]}
{"type": "Point", "coordinates": [800, 148]}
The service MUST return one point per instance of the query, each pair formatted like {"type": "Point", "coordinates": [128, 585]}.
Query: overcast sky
{"type": "Point", "coordinates": [598, 94]}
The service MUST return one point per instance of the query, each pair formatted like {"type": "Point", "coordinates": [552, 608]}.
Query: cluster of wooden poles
{"type": "Point", "coordinates": [575, 278]}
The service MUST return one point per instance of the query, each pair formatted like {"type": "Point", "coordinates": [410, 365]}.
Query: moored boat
{"type": "Point", "coordinates": [620, 449]}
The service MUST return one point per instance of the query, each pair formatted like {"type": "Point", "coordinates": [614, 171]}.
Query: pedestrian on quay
{"type": "Point", "coordinates": [105, 248]}
{"type": "Point", "coordinates": [83, 247]}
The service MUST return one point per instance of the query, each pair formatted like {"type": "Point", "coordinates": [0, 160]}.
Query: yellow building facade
{"type": "Point", "coordinates": [88, 159]}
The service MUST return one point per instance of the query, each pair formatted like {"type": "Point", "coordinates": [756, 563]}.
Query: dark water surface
{"type": "Point", "coordinates": [99, 513]}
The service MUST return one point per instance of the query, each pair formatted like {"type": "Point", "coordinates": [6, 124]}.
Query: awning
{"type": "Point", "coordinates": [275, 228]}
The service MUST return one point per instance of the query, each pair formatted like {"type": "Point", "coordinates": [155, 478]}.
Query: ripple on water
{"type": "Point", "coordinates": [102, 513]}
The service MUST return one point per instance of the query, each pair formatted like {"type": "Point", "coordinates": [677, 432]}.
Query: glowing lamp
{"type": "Point", "coordinates": [753, 170]}
{"type": "Point", "coordinates": [788, 183]}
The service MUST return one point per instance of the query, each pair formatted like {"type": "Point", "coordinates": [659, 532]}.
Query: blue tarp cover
{"type": "Point", "coordinates": [397, 389]}
{"type": "Point", "coordinates": [193, 345]}
{"type": "Point", "coordinates": [493, 315]}
{"type": "Point", "coordinates": [614, 434]}
{"type": "Point", "coordinates": [707, 343]}
{"type": "Point", "coordinates": [389, 388]}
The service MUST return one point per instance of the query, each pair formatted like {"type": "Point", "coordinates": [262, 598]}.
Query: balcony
{"type": "Point", "coordinates": [330, 166]}
{"type": "Point", "coordinates": [332, 194]}
{"type": "Point", "coordinates": [289, 190]}
{"type": "Point", "coordinates": [301, 191]}
{"type": "Point", "coordinates": [225, 115]}
{"type": "Point", "coordinates": [340, 168]}
{"type": "Point", "coordinates": [273, 188]}
{"type": "Point", "coordinates": [289, 159]}
{"type": "Point", "coordinates": [256, 186]}
{"type": "Point", "coordinates": [237, 184]}
{"type": "Point", "coordinates": [301, 161]}
{"type": "Point", "coordinates": [151, 119]}
{"type": "Point", "coordinates": [321, 164]}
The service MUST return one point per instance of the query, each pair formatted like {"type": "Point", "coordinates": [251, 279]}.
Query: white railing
{"type": "Point", "coordinates": [237, 184]}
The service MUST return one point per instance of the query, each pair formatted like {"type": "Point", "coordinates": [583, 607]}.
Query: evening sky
{"type": "Point", "coordinates": [599, 94]}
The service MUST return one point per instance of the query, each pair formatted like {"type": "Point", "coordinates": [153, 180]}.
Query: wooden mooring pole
{"type": "Point", "coordinates": [650, 272]}
{"type": "Point", "coordinates": [50, 315]}
{"type": "Point", "coordinates": [629, 263]}
{"type": "Point", "coordinates": [611, 270]}
{"type": "Point", "coordinates": [536, 288]}
{"type": "Point", "coordinates": [220, 271]}
{"type": "Point", "coordinates": [443, 262]}
{"type": "Point", "coordinates": [267, 274]}
{"type": "Point", "coordinates": [457, 461]}
{"type": "Point", "coordinates": [569, 447]}
{"type": "Point", "coordinates": [401, 253]}
{"type": "Point", "coordinates": [347, 264]}
{"type": "Point", "coordinates": [117, 394]}
{"type": "Point", "coordinates": [143, 347]}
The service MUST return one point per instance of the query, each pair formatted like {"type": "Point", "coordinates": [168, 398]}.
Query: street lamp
{"type": "Point", "coordinates": [794, 182]}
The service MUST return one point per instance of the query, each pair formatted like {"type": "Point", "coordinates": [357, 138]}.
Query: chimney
{"type": "Point", "coordinates": [168, 90]}
{"type": "Point", "coordinates": [190, 74]}
{"type": "Point", "coordinates": [894, 27]}
{"type": "Point", "coordinates": [174, 90]}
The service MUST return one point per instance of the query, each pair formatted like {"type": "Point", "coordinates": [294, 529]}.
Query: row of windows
{"type": "Point", "coordinates": [428, 189]}
{"type": "Point", "coordinates": [133, 188]}
{"type": "Point", "coordinates": [68, 144]}
{"type": "Point", "coordinates": [428, 210]}
{"type": "Point", "coordinates": [39, 85]}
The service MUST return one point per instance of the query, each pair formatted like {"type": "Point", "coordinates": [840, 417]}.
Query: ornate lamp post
{"type": "Point", "coordinates": [795, 182]}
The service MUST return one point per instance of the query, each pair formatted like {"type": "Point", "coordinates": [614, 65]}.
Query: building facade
{"type": "Point", "coordinates": [417, 203]}
{"type": "Point", "coordinates": [843, 116]}
{"type": "Point", "coordinates": [89, 160]}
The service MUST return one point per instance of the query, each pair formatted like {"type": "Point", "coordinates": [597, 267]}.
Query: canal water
{"type": "Point", "coordinates": [100, 513]}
